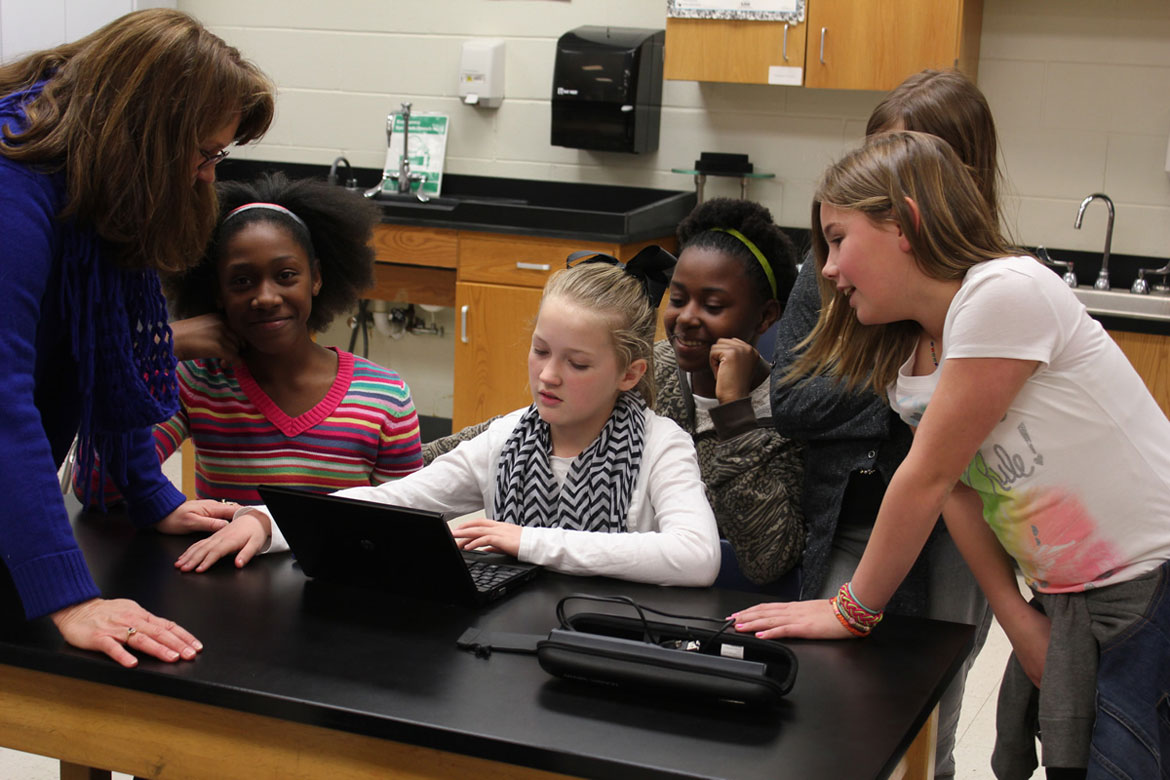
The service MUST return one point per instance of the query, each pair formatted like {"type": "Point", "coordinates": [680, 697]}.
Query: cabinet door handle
{"type": "Point", "coordinates": [784, 50]}
{"type": "Point", "coordinates": [823, 31]}
{"type": "Point", "coordinates": [463, 323]}
{"type": "Point", "coordinates": [533, 266]}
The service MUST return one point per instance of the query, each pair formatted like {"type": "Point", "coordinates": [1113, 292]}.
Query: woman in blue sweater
{"type": "Point", "coordinates": [108, 148]}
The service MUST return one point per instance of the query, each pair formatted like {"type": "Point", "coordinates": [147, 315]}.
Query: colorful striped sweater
{"type": "Point", "coordinates": [364, 432]}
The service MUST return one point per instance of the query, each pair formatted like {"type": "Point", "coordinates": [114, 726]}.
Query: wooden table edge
{"type": "Point", "coordinates": [87, 724]}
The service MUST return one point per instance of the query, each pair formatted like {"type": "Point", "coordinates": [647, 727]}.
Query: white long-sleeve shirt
{"type": "Point", "coordinates": [672, 538]}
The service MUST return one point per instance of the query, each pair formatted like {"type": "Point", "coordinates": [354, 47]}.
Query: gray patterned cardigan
{"type": "Point", "coordinates": [753, 475]}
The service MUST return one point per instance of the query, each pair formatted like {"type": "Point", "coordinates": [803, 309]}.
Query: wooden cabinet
{"type": "Point", "coordinates": [878, 43]}
{"type": "Point", "coordinates": [491, 348]}
{"type": "Point", "coordinates": [497, 296]}
{"type": "Point", "coordinates": [414, 264]}
{"type": "Point", "coordinates": [494, 281]}
{"type": "Point", "coordinates": [844, 44]}
{"type": "Point", "coordinates": [1150, 356]}
{"type": "Point", "coordinates": [732, 51]}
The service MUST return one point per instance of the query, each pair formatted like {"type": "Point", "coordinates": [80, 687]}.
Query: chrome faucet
{"type": "Point", "coordinates": [1140, 285]}
{"type": "Point", "coordinates": [1102, 282]}
{"type": "Point", "coordinates": [404, 177]}
{"type": "Point", "coordinates": [1069, 277]}
{"type": "Point", "coordinates": [350, 181]}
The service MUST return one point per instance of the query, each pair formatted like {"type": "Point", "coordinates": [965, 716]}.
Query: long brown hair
{"type": "Point", "coordinates": [955, 230]}
{"type": "Point", "coordinates": [123, 112]}
{"type": "Point", "coordinates": [947, 104]}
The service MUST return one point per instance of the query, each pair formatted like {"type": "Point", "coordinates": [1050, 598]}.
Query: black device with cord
{"type": "Point", "coordinates": [671, 658]}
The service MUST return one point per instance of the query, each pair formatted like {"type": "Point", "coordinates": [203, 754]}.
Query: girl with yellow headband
{"type": "Point", "coordinates": [735, 270]}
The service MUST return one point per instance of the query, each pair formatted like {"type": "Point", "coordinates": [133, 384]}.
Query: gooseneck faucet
{"type": "Point", "coordinates": [404, 177]}
{"type": "Point", "coordinates": [350, 181]}
{"type": "Point", "coordinates": [1102, 282]}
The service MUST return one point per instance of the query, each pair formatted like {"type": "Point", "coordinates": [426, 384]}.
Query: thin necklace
{"type": "Point", "coordinates": [933, 356]}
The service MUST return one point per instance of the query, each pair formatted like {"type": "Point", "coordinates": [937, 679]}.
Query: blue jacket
{"type": "Point", "coordinates": [40, 403]}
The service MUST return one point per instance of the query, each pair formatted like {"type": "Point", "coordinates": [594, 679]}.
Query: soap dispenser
{"type": "Point", "coordinates": [481, 73]}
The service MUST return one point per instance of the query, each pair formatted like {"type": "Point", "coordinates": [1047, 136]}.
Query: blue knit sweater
{"type": "Point", "coordinates": [40, 403]}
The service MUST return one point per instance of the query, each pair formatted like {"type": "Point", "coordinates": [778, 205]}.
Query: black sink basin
{"type": "Point", "coordinates": [527, 206]}
{"type": "Point", "coordinates": [594, 212]}
{"type": "Point", "coordinates": [412, 201]}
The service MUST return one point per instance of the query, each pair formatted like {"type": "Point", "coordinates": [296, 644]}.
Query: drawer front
{"type": "Point", "coordinates": [409, 245]}
{"type": "Point", "coordinates": [517, 260]}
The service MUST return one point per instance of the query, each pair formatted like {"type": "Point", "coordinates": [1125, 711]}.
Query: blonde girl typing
{"type": "Point", "coordinates": [1035, 439]}
{"type": "Point", "coordinates": [587, 480]}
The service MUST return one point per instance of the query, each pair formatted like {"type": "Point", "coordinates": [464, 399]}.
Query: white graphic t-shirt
{"type": "Point", "coordinates": [1075, 480]}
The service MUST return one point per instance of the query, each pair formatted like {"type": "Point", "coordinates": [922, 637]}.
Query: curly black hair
{"type": "Point", "coordinates": [336, 236]}
{"type": "Point", "coordinates": [703, 229]}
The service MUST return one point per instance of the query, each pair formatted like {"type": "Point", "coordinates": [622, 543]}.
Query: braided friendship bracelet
{"type": "Point", "coordinates": [844, 621]}
{"type": "Point", "coordinates": [859, 616]}
{"type": "Point", "coordinates": [857, 601]}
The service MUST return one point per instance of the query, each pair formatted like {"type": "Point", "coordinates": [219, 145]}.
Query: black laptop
{"type": "Point", "coordinates": [407, 552]}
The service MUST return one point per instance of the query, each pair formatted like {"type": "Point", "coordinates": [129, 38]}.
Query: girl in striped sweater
{"type": "Point", "coordinates": [287, 257]}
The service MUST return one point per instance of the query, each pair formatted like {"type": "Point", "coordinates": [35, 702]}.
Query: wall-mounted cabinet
{"type": "Point", "coordinates": [842, 45]}
{"type": "Point", "coordinates": [738, 52]}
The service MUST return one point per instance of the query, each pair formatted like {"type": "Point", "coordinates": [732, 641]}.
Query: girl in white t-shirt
{"type": "Point", "coordinates": [587, 480]}
{"type": "Point", "coordinates": [1033, 436]}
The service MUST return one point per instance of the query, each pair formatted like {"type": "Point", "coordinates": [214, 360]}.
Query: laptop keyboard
{"type": "Point", "coordinates": [488, 575]}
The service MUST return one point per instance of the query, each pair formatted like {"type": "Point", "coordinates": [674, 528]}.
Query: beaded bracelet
{"type": "Point", "coordinates": [854, 612]}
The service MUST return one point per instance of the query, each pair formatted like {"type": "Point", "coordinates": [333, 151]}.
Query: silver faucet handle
{"type": "Point", "coordinates": [376, 190]}
{"type": "Point", "coordinates": [1140, 285]}
{"type": "Point", "coordinates": [1069, 277]}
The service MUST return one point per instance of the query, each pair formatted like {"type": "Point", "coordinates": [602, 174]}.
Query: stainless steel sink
{"type": "Point", "coordinates": [1122, 303]}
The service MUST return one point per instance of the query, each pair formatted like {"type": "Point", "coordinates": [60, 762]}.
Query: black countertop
{"type": "Point", "coordinates": [282, 646]}
{"type": "Point", "coordinates": [587, 212]}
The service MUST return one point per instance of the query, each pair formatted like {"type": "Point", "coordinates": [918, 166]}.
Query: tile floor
{"type": "Point", "coordinates": [972, 750]}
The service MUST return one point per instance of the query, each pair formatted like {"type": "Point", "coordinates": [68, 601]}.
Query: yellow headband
{"type": "Point", "coordinates": [755, 250]}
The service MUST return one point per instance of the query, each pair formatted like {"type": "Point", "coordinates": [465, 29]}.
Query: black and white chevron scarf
{"type": "Point", "coordinates": [596, 493]}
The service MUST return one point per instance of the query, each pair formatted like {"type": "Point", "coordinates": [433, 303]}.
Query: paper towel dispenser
{"type": "Point", "coordinates": [607, 89]}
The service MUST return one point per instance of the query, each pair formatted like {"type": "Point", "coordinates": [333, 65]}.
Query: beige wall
{"type": "Point", "coordinates": [1080, 90]}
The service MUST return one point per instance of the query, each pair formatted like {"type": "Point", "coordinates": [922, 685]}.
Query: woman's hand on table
{"type": "Point", "coordinates": [199, 516]}
{"type": "Point", "coordinates": [111, 626]}
{"type": "Point", "coordinates": [205, 336]}
{"type": "Point", "coordinates": [490, 535]}
{"type": "Point", "coordinates": [245, 535]}
{"type": "Point", "coordinates": [791, 619]}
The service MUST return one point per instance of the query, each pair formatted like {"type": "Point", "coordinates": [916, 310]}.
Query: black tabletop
{"type": "Point", "coordinates": [280, 645]}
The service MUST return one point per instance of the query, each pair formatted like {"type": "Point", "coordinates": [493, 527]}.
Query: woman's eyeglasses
{"type": "Point", "coordinates": [211, 160]}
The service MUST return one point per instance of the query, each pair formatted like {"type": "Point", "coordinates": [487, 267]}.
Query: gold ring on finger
{"type": "Point", "coordinates": [130, 631]}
